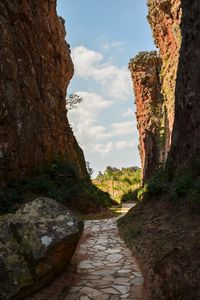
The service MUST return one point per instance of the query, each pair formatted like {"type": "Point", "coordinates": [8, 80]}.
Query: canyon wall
{"type": "Point", "coordinates": [165, 19]}
{"type": "Point", "coordinates": [186, 133]}
{"type": "Point", "coordinates": [35, 70]}
{"type": "Point", "coordinates": [145, 70]}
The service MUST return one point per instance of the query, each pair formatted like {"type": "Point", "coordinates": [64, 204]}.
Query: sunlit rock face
{"type": "Point", "coordinates": [145, 70]}
{"type": "Point", "coordinates": [35, 70]}
{"type": "Point", "coordinates": [165, 19]}
{"type": "Point", "coordinates": [158, 84]}
{"type": "Point", "coordinates": [36, 244]}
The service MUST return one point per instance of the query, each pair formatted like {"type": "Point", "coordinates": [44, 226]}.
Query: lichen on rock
{"type": "Point", "coordinates": [36, 244]}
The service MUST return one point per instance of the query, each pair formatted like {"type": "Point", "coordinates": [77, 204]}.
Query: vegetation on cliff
{"type": "Point", "coordinates": [59, 181]}
{"type": "Point", "coordinates": [121, 184]}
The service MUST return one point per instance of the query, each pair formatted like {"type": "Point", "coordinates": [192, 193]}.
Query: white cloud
{"type": "Point", "coordinates": [121, 145]}
{"type": "Point", "coordinates": [111, 83]}
{"type": "Point", "coordinates": [103, 149]}
{"type": "Point", "coordinates": [84, 119]}
{"type": "Point", "coordinates": [113, 80]}
{"type": "Point", "coordinates": [106, 46]}
{"type": "Point", "coordinates": [123, 128]}
{"type": "Point", "coordinates": [129, 113]}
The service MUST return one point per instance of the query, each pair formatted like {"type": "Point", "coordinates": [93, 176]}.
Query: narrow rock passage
{"type": "Point", "coordinates": [102, 268]}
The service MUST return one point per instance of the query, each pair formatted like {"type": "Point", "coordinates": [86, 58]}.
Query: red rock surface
{"type": "Point", "coordinates": [165, 18]}
{"type": "Point", "coordinates": [145, 69]}
{"type": "Point", "coordinates": [154, 86]}
{"type": "Point", "coordinates": [35, 70]}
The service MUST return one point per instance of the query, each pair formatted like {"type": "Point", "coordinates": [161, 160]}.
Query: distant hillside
{"type": "Point", "coordinates": [119, 183]}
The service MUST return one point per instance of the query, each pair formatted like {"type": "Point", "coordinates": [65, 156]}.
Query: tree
{"type": "Point", "coordinates": [89, 169]}
{"type": "Point", "coordinates": [72, 101]}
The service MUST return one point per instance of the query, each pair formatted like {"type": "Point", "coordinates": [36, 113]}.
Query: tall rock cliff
{"type": "Point", "coordinates": [186, 132]}
{"type": "Point", "coordinates": [168, 218]}
{"type": "Point", "coordinates": [35, 70]}
{"type": "Point", "coordinates": [165, 18]}
{"type": "Point", "coordinates": [145, 70]}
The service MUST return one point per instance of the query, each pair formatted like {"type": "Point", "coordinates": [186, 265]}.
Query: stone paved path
{"type": "Point", "coordinates": [102, 268]}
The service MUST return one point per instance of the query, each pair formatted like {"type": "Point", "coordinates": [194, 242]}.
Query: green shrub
{"type": "Point", "coordinates": [158, 183]}
{"type": "Point", "coordinates": [181, 186]}
{"type": "Point", "coordinates": [59, 181]}
{"type": "Point", "coordinates": [141, 192]}
{"type": "Point", "coordinates": [119, 183]}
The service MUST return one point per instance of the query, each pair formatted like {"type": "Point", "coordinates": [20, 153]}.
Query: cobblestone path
{"type": "Point", "coordinates": [102, 268]}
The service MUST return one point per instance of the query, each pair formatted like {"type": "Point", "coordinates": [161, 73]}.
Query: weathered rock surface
{"type": "Point", "coordinates": [186, 132]}
{"type": "Point", "coordinates": [165, 19]}
{"type": "Point", "coordinates": [145, 70]}
{"type": "Point", "coordinates": [36, 244]}
{"type": "Point", "coordinates": [35, 70]}
{"type": "Point", "coordinates": [169, 239]}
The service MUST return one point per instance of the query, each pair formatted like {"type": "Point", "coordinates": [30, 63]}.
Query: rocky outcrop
{"type": "Point", "coordinates": [145, 70]}
{"type": "Point", "coordinates": [35, 71]}
{"type": "Point", "coordinates": [165, 18]}
{"type": "Point", "coordinates": [185, 139]}
{"type": "Point", "coordinates": [168, 219]}
{"type": "Point", "coordinates": [36, 244]}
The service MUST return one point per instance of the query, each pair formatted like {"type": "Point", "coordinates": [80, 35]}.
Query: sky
{"type": "Point", "coordinates": [103, 36]}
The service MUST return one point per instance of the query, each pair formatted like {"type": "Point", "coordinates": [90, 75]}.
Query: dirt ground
{"type": "Point", "coordinates": [166, 238]}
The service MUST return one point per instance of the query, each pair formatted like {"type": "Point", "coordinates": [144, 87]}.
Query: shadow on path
{"type": "Point", "coordinates": [102, 268]}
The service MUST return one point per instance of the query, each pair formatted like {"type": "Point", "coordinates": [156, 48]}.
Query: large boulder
{"type": "Point", "coordinates": [36, 244]}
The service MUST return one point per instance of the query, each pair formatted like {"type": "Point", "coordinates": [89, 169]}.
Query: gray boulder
{"type": "Point", "coordinates": [36, 244]}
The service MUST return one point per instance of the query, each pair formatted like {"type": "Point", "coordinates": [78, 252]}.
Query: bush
{"type": "Point", "coordinates": [141, 192]}
{"type": "Point", "coordinates": [130, 196]}
{"type": "Point", "coordinates": [158, 183]}
{"type": "Point", "coordinates": [119, 183]}
{"type": "Point", "coordinates": [181, 185]}
{"type": "Point", "coordinates": [59, 181]}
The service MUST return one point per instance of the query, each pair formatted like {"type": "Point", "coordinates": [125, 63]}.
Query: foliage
{"type": "Point", "coordinates": [141, 192]}
{"type": "Point", "coordinates": [89, 169]}
{"type": "Point", "coordinates": [183, 185]}
{"type": "Point", "coordinates": [158, 183]}
{"type": "Point", "coordinates": [59, 181]}
{"type": "Point", "coordinates": [121, 184]}
{"type": "Point", "coordinates": [73, 100]}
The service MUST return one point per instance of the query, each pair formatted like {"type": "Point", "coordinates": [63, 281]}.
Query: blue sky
{"type": "Point", "coordinates": [104, 35]}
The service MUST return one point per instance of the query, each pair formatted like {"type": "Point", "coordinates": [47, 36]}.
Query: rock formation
{"type": "Point", "coordinates": [145, 70]}
{"type": "Point", "coordinates": [168, 218]}
{"type": "Point", "coordinates": [35, 70]}
{"type": "Point", "coordinates": [164, 18]}
{"type": "Point", "coordinates": [186, 132]}
{"type": "Point", "coordinates": [36, 244]}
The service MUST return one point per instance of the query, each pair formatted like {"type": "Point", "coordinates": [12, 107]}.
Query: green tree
{"type": "Point", "coordinates": [73, 100]}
